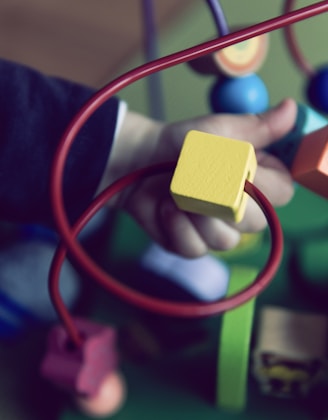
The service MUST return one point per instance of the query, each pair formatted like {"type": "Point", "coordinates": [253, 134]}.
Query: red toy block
{"type": "Point", "coordinates": [310, 166]}
{"type": "Point", "coordinates": [81, 369]}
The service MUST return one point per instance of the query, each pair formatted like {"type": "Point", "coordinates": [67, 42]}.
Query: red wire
{"type": "Point", "coordinates": [68, 235]}
{"type": "Point", "coordinates": [146, 302]}
{"type": "Point", "coordinates": [292, 44]}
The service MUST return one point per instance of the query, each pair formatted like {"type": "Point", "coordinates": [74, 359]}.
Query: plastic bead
{"type": "Point", "coordinates": [317, 90]}
{"type": "Point", "coordinates": [247, 94]}
{"type": "Point", "coordinates": [307, 121]}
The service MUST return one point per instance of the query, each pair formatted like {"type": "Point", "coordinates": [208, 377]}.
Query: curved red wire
{"type": "Point", "coordinates": [134, 297]}
{"type": "Point", "coordinates": [143, 71]}
{"type": "Point", "coordinates": [66, 232]}
{"type": "Point", "coordinates": [293, 46]}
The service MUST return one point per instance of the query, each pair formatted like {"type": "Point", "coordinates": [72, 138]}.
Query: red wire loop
{"type": "Point", "coordinates": [134, 297]}
{"type": "Point", "coordinates": [68, 234]}
{"type": "Point", "coordinates": [293, 46]}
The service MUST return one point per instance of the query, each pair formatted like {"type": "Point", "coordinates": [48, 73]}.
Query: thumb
{"type": "Point", "coordinates": [259, 129]}
{"type": "Point", "coordinates": [263, 129]}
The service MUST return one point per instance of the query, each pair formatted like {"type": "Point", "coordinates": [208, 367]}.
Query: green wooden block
{"type": "Point", "coordinates": [234, 345]}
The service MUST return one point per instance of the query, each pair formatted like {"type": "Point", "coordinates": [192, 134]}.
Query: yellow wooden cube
{"type": "Point", "coordinates": [210, 175]}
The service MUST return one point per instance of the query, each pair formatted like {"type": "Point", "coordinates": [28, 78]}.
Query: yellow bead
{"type": "Point", "coordinates": [210, 175]}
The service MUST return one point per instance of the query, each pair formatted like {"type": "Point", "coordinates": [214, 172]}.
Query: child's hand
{"type": "Point", "coordinates": [191, 235]}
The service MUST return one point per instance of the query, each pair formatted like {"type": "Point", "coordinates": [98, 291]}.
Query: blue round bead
{"type": "Point", "coordinates": [239, 95]}
{"type": "Point", "coordinates": [317, 90]}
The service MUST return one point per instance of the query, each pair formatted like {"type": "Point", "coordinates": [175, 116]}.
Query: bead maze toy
{"type": "Point", "coordinates": [220, 191]}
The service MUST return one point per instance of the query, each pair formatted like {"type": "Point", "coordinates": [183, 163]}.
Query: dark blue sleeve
{"type": "Point", "coordinates": [34, 112]}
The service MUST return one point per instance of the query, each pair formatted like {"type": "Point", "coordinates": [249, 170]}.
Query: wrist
{"type": "Point", "coordinates": [133, 149]}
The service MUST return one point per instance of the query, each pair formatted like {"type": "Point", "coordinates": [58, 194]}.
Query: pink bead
{"type": "Point", "coordinates": [81, 369]}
